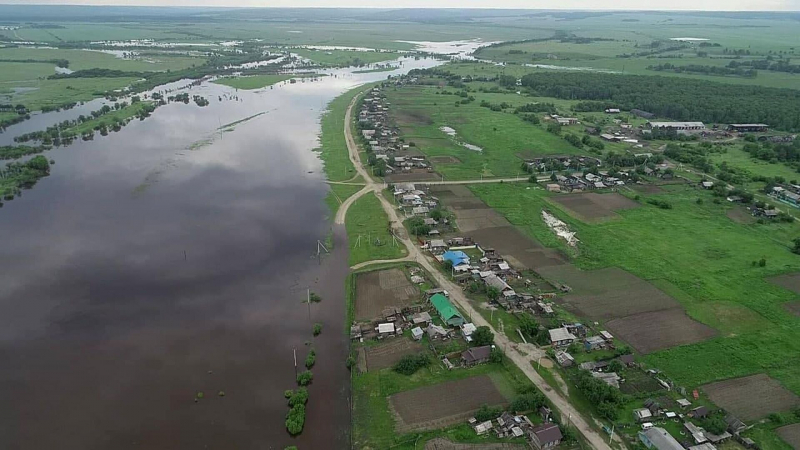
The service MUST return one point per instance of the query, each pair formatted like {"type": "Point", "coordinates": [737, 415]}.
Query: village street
{"type": "Point", "coordinates": [521, 354]}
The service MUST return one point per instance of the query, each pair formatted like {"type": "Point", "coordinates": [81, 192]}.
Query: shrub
{"type": "Point", "coordinates": [311, 359]}
{"type": "Point", "coordinates": [528, 402]}
{"type": "Point", "coordinates": [409, 364]}
{"type": "Point", "coordinates": [298, 397]}
{"type": "Point", "coordinates": [486, 413]}
{"type": "Point", "coordinates": [304, 378]}
{"type": "Point", "coordinates": [317, 329]}
{"type": "Point", "coordinates": [296, 419]}
{"type": "Point", "coordinates": [663, 204]}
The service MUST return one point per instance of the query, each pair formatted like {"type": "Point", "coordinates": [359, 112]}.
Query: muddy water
{"type": "Point", "coordinates": [170, 259]}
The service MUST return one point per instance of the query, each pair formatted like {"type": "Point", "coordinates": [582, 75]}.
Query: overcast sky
{"type": "Point", "coordinates": [714, 5]}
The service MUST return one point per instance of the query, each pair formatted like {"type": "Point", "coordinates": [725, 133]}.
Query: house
{"type": "Point", "coordinates": [677, 126]}
{"type": "Point", "coordinates": [437, 246]}
{"type": "Point", "coordinates": [446, 311]}
{"type": "Point", "coordinates": [423, 318]}
{"type": "Point", "coordinates": [476, 355]}
{"type": "Point", "coordinates": [467, 329]}
{"type": "Point", "coordinates": [496, 282]}
{"type": "Point", "coordinates": [748, 127]}
{"type": "Point", "coordinates": [565, 121]}
{"type": "Point", "coordinates": [707, 184]}
{"type": "Point", "coordinates": [436, 332]}
{"type": "Point", "coordinates": [416, 333]}
{"type": "Point", "coordinates": [545, 436]}
{"type": "Point", "coordinates": [703, 446]}
{"type": "Point", "coordinates": [659, 439]}
{"type": "Point", "coordinates": [609, 378]}
{"type": "Point", "coordinates": [456, 257]}
{"type": "Point", "coordinates": [612, 110]}
{"type": "Point", "coordinates": [642, 414]}
{"type": "Point", "coordinates": [594, 343]}
{"type": "Point", "coordinates": [699, 412]}
{"type": "Point", "coordinates": [553, 187]}
{"type": "Point", "coordinates": [607, 336]}
{"type": "Point", "coordinates": [735, 425]}
{"type": "Point", "coordinates": [564, 359]}
{"type": "Point", "coordinates": [561, 337]}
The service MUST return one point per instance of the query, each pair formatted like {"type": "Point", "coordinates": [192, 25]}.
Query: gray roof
{"type": "Point", "coordinates": [561, 334]}
{"type": "Point", "coordinates": [477, 353]}
{"type": "Point", "coordinates": [548, 432]}
{"type": "Point", "coordinates": [661, 439]}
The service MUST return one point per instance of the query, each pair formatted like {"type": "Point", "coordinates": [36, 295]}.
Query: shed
{"type": "Point", "coordinates": [467, 329]}
{"type": "Point", "coordinates": [642, 414]}
{"type": "Point", "coordinates": [422, 318]}
{"type": "Point", "coordinates": [386, 328]}
{"type": "Point", "coordinates": [416, 333]}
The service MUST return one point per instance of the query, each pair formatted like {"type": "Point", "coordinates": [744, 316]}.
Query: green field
{"type": "Point", "coordinates": [368, 232]}
{"type": "Point", "coordinates": [695, 253]}
{"type": "Point", "coordinates": [333, 147]}
{"type": "Point", "coordinates": [59, 92]}
{"type": "Point", "coordinates": [344, 58]}
{"type": "Point", "coordinates": [107, 120]}
{"type": "Point", "coordinates": [85, 59]}
{"type": "Point", "coordinates": [420, 112]}
{"type": "Point", "coordinates": [252, 82]}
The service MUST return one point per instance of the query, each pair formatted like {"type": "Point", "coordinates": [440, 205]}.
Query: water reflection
{"type": "Point", "coordinates": [146, 269]}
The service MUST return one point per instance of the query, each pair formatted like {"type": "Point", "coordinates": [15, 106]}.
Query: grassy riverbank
{"type": "Point", "coordinates": [368, 232]}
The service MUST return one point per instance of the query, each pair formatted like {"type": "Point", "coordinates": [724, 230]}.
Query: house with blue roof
{"type": "Point", "coordinates": [456, 257]}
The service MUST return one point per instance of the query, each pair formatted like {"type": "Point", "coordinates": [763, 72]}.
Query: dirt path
{"type": "Point", "coordinates": [522, 355]}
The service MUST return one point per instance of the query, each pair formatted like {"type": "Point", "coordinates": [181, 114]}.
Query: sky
{"type": "Point", "coordinates": [697, 5]}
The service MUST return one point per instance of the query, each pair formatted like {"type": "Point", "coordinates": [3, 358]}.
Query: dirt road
{"type": "Point", "coordinates": [521, 354]}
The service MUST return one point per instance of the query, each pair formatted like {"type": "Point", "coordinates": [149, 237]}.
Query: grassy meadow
{"type": "Point", "coordinates": [420, 112]}
{"type": "Point", "coordinates": [344, 58]}
{"type": "Point", "coordinates": [252, 82]}
{"type": "Point", "coordinates": [367, 220]}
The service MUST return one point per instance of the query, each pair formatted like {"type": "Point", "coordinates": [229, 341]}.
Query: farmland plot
{"type": "Point", "coordinates": [386, 355]}
{"type": "Point", "coordinates": [751, 398]}
{"type": "Point", "coordinates": [382, 289]}
{"type": "Point", "coordinates": [590, 206]}
{"type": "Point", "coordinates": [657, 330]}
{"type": "Point", "coordinates": [789, 433]}
{"type": "Point", "coordinates": [443, 404]}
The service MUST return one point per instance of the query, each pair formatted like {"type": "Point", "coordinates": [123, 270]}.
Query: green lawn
{"type": "Point", "coordinates": [420, 113]}
{"type": "Point", "coordinates": [252, 82]}
{"type": "Point", "coordinates": [11, 72]}
{"type": "Point", "coordinates": [702, 258]}
{"type": "Point", "coordinates": [367, 220]}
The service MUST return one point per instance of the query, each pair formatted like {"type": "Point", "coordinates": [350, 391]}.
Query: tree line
{"type": "Point", "coordinates": [676, 98]}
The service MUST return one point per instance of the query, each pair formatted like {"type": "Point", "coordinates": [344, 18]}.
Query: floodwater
{"type": "Point", "coordinates": [170, 259]}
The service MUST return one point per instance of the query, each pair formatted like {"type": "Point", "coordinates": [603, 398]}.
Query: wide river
{"type": "Point", "coordinates": [170, 259]}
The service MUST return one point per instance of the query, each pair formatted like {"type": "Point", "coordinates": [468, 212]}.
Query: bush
{"type": "Point", "coordinates": [314, 297]}
{"type": "Point", "coordinates": [496, 356]}
{"type": "Point", "coordinates": [663, 204]}
{"type": "Point", "coordinates": [528, 402]}
{"type": "Point", "coordinates": [296, 419]}
{"type": "Point", "coordinates": [317, 329]}
{"type": "Point", "coordinates": [311, 359]}
{"type": "Point", "coordinates": [409, 364]}
{"type": "Point", "coordinates": [486, 413]}
{"type": "Point", "coordinates": [304, 378]}
{"type": "Point", "coordinates": [298, 397]}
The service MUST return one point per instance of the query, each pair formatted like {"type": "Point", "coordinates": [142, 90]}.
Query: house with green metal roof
{"type": "Point", "coordinates": [447, 311]}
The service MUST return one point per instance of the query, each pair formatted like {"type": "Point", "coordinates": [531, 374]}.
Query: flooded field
{"type": "Point", "coordinates": [169, 259]}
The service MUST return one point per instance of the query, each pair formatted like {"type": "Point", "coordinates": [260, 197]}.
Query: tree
{"type": "Point", "coordinates": [482, 336]}
{"type": "Point", "coordinates": [615, 366]}
{"type": "Point", "coordinates": [314, 297]}
{"type": "Point", "coordinates": [317, 329]}
{"type": "Point", "coordinates": [796, 248]}
{"type": "Point", "coordinates": [493, 293]}
{"type": "Point", "coordinates": [311, 359]}
{"type": "Point", "coordinates": [496, 356]}
{"type": "Point", "coordinates": [528, 402]}
{"type": "Point", "coordinates": [296, 419]}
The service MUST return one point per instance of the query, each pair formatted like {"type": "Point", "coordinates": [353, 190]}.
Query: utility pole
{"type": "Point", "coordinates": [308, 300]}
{"type": "Point", "coordinates": [611, 435]}
{"type": "Point", "coordinates": [294, 350]}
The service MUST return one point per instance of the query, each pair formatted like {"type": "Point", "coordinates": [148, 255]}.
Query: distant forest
{"type": "Point", "coordinates": [676, 98]}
